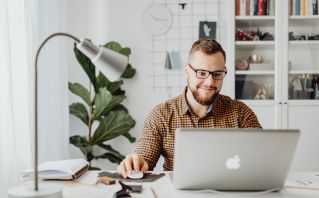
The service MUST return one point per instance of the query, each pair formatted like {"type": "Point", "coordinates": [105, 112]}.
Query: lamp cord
{"type": "Point", "coordinates": [36, 187]}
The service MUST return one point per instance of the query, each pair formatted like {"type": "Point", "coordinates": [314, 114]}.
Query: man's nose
{"type": "Point", "coordinates": [210, 80]}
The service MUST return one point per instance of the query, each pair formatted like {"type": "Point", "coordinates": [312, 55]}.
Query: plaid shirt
{"type": "Point", "coordinates": [159, 128]}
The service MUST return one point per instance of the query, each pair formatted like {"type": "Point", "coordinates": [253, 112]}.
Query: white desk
{"type": "Point", "coordinates": [163, 188]}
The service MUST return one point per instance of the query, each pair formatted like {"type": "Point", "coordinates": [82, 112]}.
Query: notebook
{"type": "Point", "coordinates": [232, 159]}
{"type": "Point", "coordinates": [59, 170]}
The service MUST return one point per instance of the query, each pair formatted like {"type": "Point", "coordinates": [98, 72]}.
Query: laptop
{"type": "Point", "coordinates": [232, 159]}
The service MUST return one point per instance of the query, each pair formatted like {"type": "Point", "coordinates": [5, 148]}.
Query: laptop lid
{"type": "Point", "coordinates": [232, 159]}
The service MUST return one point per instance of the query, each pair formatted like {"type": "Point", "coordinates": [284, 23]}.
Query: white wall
{"type": "Point", "coordinates": [118, 20]}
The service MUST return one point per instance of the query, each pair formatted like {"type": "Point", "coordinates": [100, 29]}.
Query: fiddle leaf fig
{"type": "Point", "coordinates": [110, 118]}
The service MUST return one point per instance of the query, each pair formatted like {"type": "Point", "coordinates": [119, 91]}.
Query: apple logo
{"type": "Point", "coordinates": [233, 162]}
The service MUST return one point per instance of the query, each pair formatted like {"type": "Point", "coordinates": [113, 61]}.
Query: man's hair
{"type": "Point", "coordinates": [207, 46]}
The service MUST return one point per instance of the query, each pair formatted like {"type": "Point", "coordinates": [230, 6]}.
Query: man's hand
{"type": "Point", "coordinates": [132, 162]}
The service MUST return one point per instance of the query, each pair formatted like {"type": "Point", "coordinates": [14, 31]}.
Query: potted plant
{"type": "Point", "coordinates": [102, 107]}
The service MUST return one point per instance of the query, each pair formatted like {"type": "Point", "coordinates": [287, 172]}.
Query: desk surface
{"type": "Point", "coordinates": [162, 187]}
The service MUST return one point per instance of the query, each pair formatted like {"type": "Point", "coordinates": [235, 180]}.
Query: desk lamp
{"type": "Point", "coordinates": [110, 63]}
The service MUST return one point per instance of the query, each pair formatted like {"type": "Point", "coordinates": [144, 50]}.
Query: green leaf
{"type": "Point", "coordinates": [110, 149]}
{"type": "Point", "coordinates": [116, 123]}
{"type": "Point", "coordinates": [82, 143]}
{"type": "Point", "coordinates": [102, 81]}
{"type": "Point", "coordinates": [80, 91]}
{"type": "Point", "coordinates": [129, 72]}
{"type": "Point", "coordinates": [79, 110]}
{"type": "Point", "coordinates": [129, 137]}
{"type": "Point", "coordinates": [113, 87]}
{"type": "Point", "coordinates": [87, 65]}
{"type": "Point", "coordinates": [110, 156]}
{"type": "Point", "coordinates": [125, 51]}
{"type": "Point", "coordinates": [115, 46]}
{"type": "Point", "coordinates": [116, 100]}
{"type": "Point", "coordinates": [119, 107]}
{"type": "Point", "coordinates": [101, 101]}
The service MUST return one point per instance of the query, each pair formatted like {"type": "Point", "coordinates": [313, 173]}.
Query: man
{"type": "Point", "coordinates": [200, 105]}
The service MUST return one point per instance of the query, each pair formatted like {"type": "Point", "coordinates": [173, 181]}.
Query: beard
{"type": "Point", "coordinates": [202, 99]}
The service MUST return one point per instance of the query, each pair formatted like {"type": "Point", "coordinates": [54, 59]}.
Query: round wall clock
{"type": "Point", "coordinates": [157, 19]}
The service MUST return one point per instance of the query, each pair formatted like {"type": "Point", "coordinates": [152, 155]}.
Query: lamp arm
{"type": "Point", "coordinates": [36, 187]}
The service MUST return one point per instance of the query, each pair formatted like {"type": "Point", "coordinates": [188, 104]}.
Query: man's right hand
{"type": "Point", "coordinates": [132, 162]}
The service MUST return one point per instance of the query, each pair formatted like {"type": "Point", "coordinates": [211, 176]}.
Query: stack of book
{"type": "Point", "coordinates": [255, 7]}
{"type": "Point", "coordinates": [303, 7]}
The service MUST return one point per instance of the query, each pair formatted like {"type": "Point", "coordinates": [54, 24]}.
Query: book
{"type": "Point", "coordinates": [261, 8]}
{"type": "Point", "coordinates": [242, 7]}
{"type": "Point", "coordinates": [252, 6]}
{"type": "Point", "coordinates": [238, 7]}
{"type": "Point", "coordinates": [309, 7]}
{"type": "Point", "coordinates": [315, 7]}
{"type": "Point", "coordinates": [297, 7]}
{"type": "Point", "coordinates": [256, 7]}
{"type": "Point", "coordinates": [303, 7]}
{"type": "Point", "coordinates": [59, 170]}
{"type": "Point", "coordinates": [272, 8]}
{"type": "Point", "coordinates": [266, 10]}
{"type": "Point", "coordinates": [247, 7]}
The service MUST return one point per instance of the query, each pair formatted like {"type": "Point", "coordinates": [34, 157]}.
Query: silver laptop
{"type": "Point", "coordinates": [232, 159]}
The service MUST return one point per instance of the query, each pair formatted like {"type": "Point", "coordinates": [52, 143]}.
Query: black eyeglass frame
{"type": "Point", "coordinates": [209, 73]}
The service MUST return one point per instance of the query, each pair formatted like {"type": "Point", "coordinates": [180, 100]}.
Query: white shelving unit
{"type": "Point", "coordinates": [291, 106]}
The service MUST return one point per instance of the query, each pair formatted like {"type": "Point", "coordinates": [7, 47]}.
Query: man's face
{"type": "Point", "coordinates": [204, 91]}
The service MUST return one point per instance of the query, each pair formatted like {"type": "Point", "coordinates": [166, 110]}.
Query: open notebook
{"type": "Point", "coordinates": [59, 170]}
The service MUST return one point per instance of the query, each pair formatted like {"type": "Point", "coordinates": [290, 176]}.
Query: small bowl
{"type": "Point", "coordinates": [256, 59]}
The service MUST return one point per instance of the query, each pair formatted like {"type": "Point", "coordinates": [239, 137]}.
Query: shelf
{"type": "Point", "coordinates": [260, 72]}
{"type": "Point", "coordinates": [295, 17]}
{"type": "Point", "coordinates": [255, 21]}
{"type": "Point", "coordinates": [254, 44]}
{"type": "Point", "coordinates": [304, 72]}
{"type": "Point", "coordinates": [255, 18]}
{"type": "Point", "coordinates": [302, 42]}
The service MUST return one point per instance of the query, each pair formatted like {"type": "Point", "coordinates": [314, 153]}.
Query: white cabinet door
{"type": "Point", "coordinates": [268, 115]}
{"type": "Point", "coordinates": [305, 118]}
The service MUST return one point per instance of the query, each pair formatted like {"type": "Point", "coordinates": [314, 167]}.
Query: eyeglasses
{"type": "Point", "coordinates": [203, 74]}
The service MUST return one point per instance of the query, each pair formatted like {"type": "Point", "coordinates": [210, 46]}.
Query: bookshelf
{"type": "Point", "coordinates": [248, 84]}
{"type": "Point", "coordinates": [296, 64]}
{"type": "Point", "coordinates": [296, 60]}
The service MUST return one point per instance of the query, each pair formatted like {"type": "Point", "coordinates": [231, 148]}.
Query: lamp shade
{"type": "Point", "coordinates": [112, 64]}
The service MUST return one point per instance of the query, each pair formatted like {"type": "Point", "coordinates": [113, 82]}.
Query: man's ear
{"type": "Point", "coordinates": [186, 70]}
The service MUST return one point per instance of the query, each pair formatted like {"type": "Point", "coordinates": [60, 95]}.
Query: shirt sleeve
{"type": "Point", "coordinates": [150, 142]}
{"type": "Point", "coordinates": [247, 118]}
